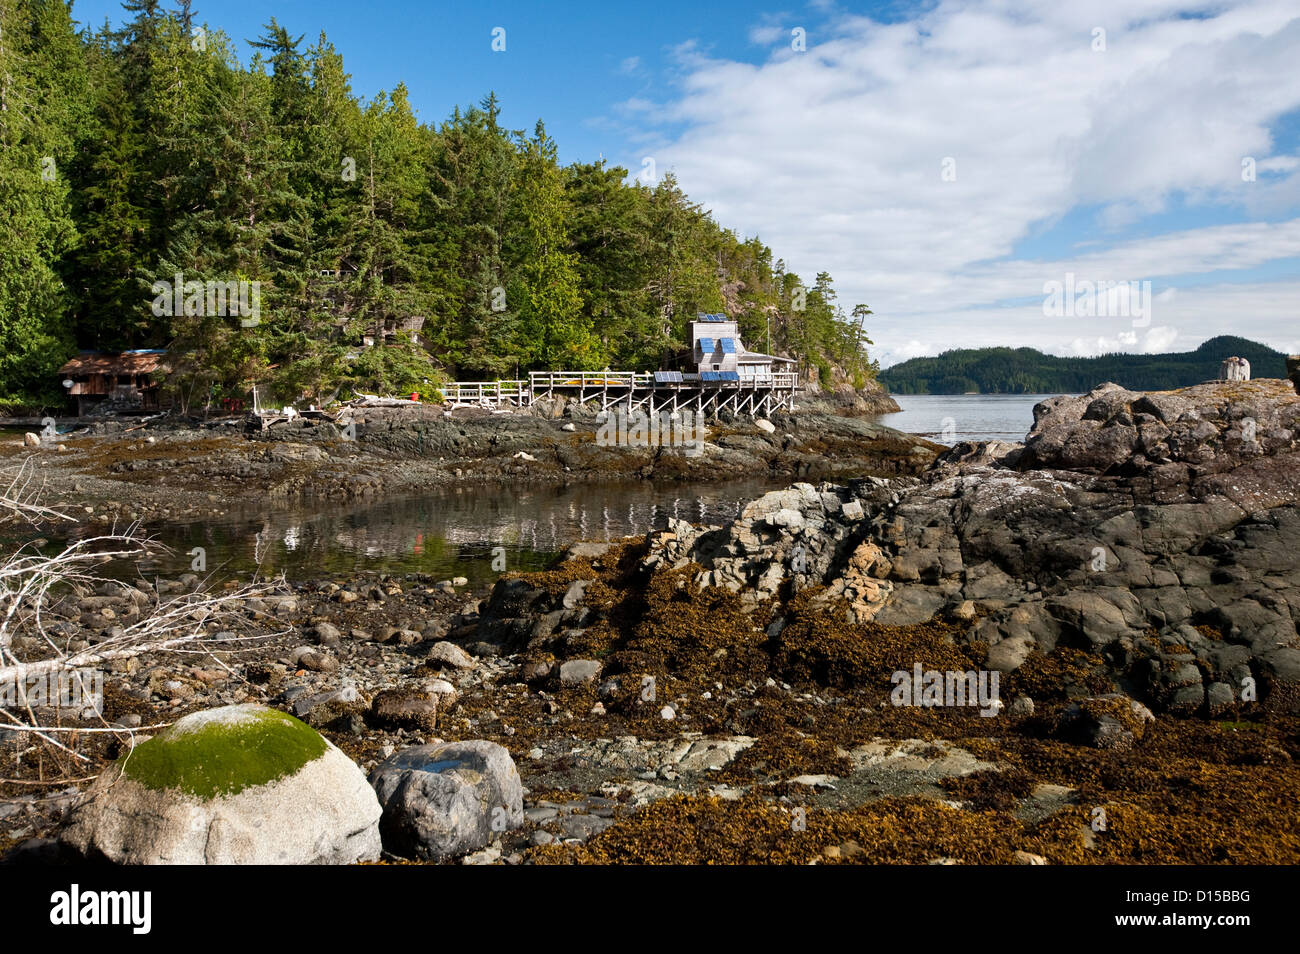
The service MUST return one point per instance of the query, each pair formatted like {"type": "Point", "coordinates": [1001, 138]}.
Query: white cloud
{"type": "Point", "coordinates": [1264, 311]}
{"type": "Point", "coordinates": [895, 353]}
{"type": "Point", "coordinates": [1280, 164]}
{"type": "Point", "coordinates": [1154, 341]}
{"type": "Point", "coordinates": [834, 157]}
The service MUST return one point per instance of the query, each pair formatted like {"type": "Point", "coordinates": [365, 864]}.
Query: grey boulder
{"type": "Point", "coordinates": [443, 801]}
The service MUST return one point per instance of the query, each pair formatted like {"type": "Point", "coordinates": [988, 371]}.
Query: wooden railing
{"type": "Point", "coordinates": [494, 392]}
{"type": "Point", "coordinates": [591, 380]}
{"type": "Point", "coordinates": [778, 379]}
{"type": "Point", "coordinates": [539, 382]}
{"type": "Point", "coordinates": [546, 380]}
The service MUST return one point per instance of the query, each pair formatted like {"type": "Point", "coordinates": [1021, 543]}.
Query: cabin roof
{"type": "Point", "coordinates": [126, 362]}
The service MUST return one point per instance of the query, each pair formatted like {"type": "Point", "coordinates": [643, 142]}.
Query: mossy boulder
{"type": "Point", "coordinates": [236, 785]}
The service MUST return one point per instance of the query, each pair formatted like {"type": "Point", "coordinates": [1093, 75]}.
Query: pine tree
{"type": "Point", "coordinates": [39, 115]}
{"type": "Point", "coordinates": [548, 284]}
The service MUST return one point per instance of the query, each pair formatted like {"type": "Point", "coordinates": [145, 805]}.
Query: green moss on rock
{"type": "Point", "coordinates": [224, 751]}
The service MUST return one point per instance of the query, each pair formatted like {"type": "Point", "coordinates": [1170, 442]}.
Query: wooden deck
{"type": "Point", "coordinates": [633, 390]}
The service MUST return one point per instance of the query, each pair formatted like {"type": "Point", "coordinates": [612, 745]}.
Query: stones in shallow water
{"type": "Point", "coordinates": [235, 785]}
{"type": "Point", "coordinates": [443, 801]}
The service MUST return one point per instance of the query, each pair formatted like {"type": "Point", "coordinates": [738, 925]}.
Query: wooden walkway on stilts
{"type": "Point", "coordinates": [651, 392]}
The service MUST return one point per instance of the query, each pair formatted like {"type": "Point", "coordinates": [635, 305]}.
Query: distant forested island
{"type": "Point", "coordinates": [1026, 371]}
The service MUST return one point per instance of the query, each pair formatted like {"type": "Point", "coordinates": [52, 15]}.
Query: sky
{"type": "Point", "coordinates": [969, 170]}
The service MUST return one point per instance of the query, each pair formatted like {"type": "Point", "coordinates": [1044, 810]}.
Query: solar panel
{"type": "Point", "coordinates": [728, 375]}
{"type": "Point", "coordinates": [668, 377]}
{"type": "Point", "coordinates": [706, 345]}
{"type": "Point", "coordinates": [702, 316]}
{"type": "Point", "coordinates": [728, 345]}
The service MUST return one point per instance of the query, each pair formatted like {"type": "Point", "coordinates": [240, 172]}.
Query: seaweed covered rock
{"type": "Point", "coordinates": [1112, 721]}
{"type": "Point", "coordinates": [443, 801]}
{"type": "Point", "coordinates": [1154, 530]}
{"type": "Point", "coordinates": [236, 785]}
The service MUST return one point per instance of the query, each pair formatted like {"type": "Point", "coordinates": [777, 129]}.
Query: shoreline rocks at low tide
{"type": "Point", "coordinates": [1158, 530]}
{"type": "Point", "coordinates": [188, 470]}
{"type": "Point", "coordinates": [1129, 571]}
{"type": "Point", "coordinates": [445, 801]}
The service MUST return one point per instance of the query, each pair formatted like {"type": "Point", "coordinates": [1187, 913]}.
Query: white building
{"type": "Point", "coordinates": [716, 348]}
{"type": "Point", "coordinates": [1234, 369]}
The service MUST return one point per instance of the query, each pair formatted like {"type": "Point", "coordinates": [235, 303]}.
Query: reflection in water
{"type": "Point", "coordinates": [451, 533]}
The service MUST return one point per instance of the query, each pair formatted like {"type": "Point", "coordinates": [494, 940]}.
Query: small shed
{"type": "Point", "coordinates": [113, 382]}
{"type": "Point", "coordinates": [1234, 369]}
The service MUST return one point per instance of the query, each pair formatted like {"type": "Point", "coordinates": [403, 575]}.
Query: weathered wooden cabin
{"type": "Point", "coordinates": [123, 382]}
{"type": "Point", "coordinates": [716, 349]}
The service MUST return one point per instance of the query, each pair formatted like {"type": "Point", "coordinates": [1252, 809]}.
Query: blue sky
{"type": "Point", "coordinates": [570, 68]}
{"type": "Point", "coordinates": [944, 161]}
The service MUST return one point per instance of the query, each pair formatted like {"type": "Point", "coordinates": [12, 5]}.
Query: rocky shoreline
{"type": "Point", "coordinates": [732, 693]}
{"type": "Point", "coordinates": [166, 468]}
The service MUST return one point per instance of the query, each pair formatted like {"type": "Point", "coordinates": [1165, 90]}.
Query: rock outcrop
{"type": "Point", "coordinates": [1156, 530]}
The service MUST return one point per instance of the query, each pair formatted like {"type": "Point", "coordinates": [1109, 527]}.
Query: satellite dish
{"type": "Point", "coordinates": [67, 382]}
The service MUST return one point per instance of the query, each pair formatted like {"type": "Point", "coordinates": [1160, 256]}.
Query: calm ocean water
{"type": "Point", "coordinates": [454, 532]}
{"type": "Point", "coordinates": [461, 531]}
{"type": "Point", "coordinates": [950, 418]}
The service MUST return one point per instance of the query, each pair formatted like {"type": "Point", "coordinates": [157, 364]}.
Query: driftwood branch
{"type": "Point", "coordinates": [31, 583]}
